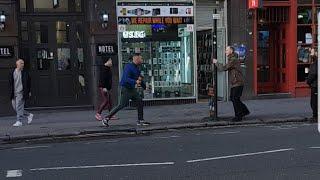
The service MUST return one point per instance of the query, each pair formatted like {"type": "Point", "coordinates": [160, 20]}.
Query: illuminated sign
{"type": "Point", "coordinates": [155, 20]}
{"type": "Point", "coordinates": [134, 34]}
{"type": "Point", "coordinates": [6, 51]}
{"type": "Point", "coordinates": [106, 49]}
{"type": "Point", "coordinates": [254, 4]}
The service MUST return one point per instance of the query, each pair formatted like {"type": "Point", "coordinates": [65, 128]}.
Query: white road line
{"type": "Point", "coordinates": [167, 137]}
{"type": "Point", "coordinates": [14, 173]}
{"type": "Point", "coordinates": [30, 147]}
{"type": "Point", "coordinates": [102, 166]}
{"type": "Point", "coordinates": [314, 147]}
{"type": "Point", "coordinates": [100, 142]}
{"type": "Point", "coordinates": [284, 128]}
{"type": "Point", "coordinates": [227, 132]}
{"type": "Point", "coordinates": [240, 155]}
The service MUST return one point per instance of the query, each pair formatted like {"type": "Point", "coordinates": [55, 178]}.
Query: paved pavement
{"type": "Point", "coordinates": [62, 123]}
{"type": "Point", "coordinates": [286, 152]}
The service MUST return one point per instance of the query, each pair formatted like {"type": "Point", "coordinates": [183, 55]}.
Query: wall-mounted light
{"type": "Point", "coordinates": [105, 19]}
{"type": "Point", "coordinates": [2, 21]}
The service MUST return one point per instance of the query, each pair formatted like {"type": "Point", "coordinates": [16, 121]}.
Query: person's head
{"type": "Point", "coordinates": [20, 64]}
{"type": "Point", "coordinates": [229, 50]}
{"type": "Point", "coordinates": [107, 61]}
{"type": "Point", "coordinates": [137, 59]}
{"type": "Point", "coordinates": [313, 52]}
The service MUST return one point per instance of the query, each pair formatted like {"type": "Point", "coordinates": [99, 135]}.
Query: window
{"type": "Point", "coordinates": [24, 31]}
{"type": "Point", "coordinates": [306, 35]}
{"type": "Point", "coordinates": [78, 5]}
{"type": "Point", "coordinates": [79, 32]}
{"type": "Point", "coordinates": [62, 29]}
{"type": "Point", "coordinates": [63, 59]}
{"type": "Point", "coordinates": [23, 6]}
{"type": "Point", "coordinates": [50, 5]}
{"type": "Point", "coordinates": [41, 32]}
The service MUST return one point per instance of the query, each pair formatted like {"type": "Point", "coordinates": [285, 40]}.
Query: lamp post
{"type": "Point", "coordinates": [105, 19]}
{"type": "Point", "coordinates": [2, 21]}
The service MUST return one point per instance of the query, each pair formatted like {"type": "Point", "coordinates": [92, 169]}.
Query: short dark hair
{"type": "Point", "coordinates": [136, 54]}
{"type": "Point", "coordinates": [232, 48]}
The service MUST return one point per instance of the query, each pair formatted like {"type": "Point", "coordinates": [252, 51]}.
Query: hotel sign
{"type": "Point", "coordinates": [106, 49]}
{"type": "Point", "coordinates": [6, 51]}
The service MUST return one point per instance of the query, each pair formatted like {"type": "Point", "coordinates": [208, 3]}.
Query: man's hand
{"type": "Point", "coordinates": [214, 61]}
{"type": "Point", "coordinates": [105, 90]}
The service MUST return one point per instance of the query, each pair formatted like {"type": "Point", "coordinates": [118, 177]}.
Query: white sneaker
{"type": "Point", "coordinates": [17, 124]}
{"type": "Point", "coordinates": [30, 118]}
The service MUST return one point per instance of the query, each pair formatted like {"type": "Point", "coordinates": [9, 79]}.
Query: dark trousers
{"type": "Point", "coordinates": [240, 109]}
{"type": "Point", "coordinates": [106, 101]}
{"type": "Point", "coordinates": [126, 95]}
{"type": "Point", "coordinates": [314, 101]}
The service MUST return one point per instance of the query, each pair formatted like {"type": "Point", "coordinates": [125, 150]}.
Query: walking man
{"type": "Point", "coordinates": [19, 81]}
{"type": "Point", "coordinates": [312, 81]}
{"type": "Point", "coordinates": [130, 82]}
{"type": "Point", "coordinates": [237, 82]}
{"type": "Point", "coordinates": [105, 86]}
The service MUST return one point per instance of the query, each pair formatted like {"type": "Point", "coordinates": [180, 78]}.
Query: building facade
{"type": "Point", "coordinates": [63, 43]}
{"type": "Point", "coordinates": [278, 35]}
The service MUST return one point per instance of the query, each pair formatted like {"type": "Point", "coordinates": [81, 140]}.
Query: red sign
{"type": "Point", "coordinates": [253, 4]}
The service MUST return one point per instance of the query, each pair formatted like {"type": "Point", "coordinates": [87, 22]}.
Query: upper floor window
{"type": "Point", "coordinates": [50, 5]}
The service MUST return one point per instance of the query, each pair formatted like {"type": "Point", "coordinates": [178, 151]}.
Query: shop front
{"type": "Point", "coordinates": [163, 32]}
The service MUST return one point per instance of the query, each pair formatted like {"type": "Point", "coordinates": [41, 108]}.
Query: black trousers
{"type": "Point", "coordinates": [126, 95]}
{"type": "Point", "coordinates": [314, 101]}
{"type": "Point", "coordinates": [240, 109]}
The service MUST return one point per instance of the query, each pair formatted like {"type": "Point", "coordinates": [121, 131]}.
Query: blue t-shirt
{"type": "Point", "coordinates": [130, 75]}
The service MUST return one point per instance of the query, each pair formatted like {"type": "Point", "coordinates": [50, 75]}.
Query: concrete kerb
{"type": "Point", "coordinates": [131, 131]}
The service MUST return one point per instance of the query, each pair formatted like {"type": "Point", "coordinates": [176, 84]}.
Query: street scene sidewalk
{"type": "Point", "coordinates": [72, 123]}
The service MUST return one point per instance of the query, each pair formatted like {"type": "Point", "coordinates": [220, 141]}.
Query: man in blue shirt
{"type": "Point", "coordinates": [129, 83]}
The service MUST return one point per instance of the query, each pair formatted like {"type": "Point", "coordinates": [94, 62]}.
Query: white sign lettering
{"type": "Point", "coordinates": [5, 51]}
{"type": "Point", "coordinates": [134, 34]}
{"type": "Point", "coordinates": [106, 49]}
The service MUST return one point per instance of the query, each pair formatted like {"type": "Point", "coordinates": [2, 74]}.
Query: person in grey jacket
{"type": "Point", "coordinates": [19, 84]}
{"type": "Point", "coordinates": [236, 81]}
{"type": "Point", "coordinates": [312, 81]}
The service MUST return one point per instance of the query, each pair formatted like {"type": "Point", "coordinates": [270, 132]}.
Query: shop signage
{"type": "Point", "coordinates": [106, 49]}
{"type": "Point", "coordinates": [155, 20]}
{"type": "Point", "coordinates": [160, 11]}
{"type": "Point", "coordinates": [254, 4]}
{"type": "Point", "coordinates": [6, 51]}
{"type": "Point", "coordinates": [134, 34]}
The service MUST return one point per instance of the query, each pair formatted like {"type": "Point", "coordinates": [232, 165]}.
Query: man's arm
{"type": "Point", "coordinates": [126, 76]}
{"type": "Point", "coordinates": [312, 75]}
{"type": "Point", "coordinates": [230, 65]}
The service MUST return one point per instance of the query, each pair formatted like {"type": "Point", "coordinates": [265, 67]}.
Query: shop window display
{"type": "Point", "coordinates": [168, 66]}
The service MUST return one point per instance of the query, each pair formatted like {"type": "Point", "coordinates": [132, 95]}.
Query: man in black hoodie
{"type": "Point", "coordinates": [105, 86]}
{"type": "Point", "coordinates": [312, 81]}
{"type": "Point", "coordinates": [19, 84]}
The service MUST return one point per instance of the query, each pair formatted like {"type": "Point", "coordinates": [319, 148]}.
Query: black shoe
{"type": "Point", "coordinates": [143, 123]}
{"type": "Point", "coordinates": [246, 113]}
{"type": "Point", "coordinates": [236, 119]}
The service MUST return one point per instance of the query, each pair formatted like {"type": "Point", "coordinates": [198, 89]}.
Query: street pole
{"type": "Point", "coordinates": [215, 56]}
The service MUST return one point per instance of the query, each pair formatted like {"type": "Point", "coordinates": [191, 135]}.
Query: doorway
{"type": "Point", "coordinates": [55, 52]}
{"type": "Point", "coordinates": [272, 59]}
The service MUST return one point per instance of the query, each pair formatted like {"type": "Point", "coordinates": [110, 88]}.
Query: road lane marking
{"type": "Point", "coordinates": [284, 128]}
{"type": "Point", "coordinates": [100, 142]}
{"type": "Point", "coordinates": [30, 147]}
{"type": "Point", "coordinates": [314, 147]}
{"type": "Point", "coordinates": [240, 155]}
{"type": "Point", "coordinates": [14, 173]}
{"type": "Point", "coordinates": [102, 166]}
{"type": "Point", "coordinates": [166, 137]}
{"type": "Point", "coordinates": [227, 132]}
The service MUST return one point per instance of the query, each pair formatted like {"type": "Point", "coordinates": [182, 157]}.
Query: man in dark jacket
{"type": "Point", "coordinates": [130, 82]}
{"type": "Point", "coordinates": [19, 81]}
{"type": "Point", "coordinates": [312, 81]}
{"type": "Point", "coordinates": [105, 86]}
{"type": "Point", "coordinates": [236, 81]}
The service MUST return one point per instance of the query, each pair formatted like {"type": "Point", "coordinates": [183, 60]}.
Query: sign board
{"type": "Point", "coordinates": [6, 51]}
{"type": "Point", "coordinates": [106, 49]}
{"type": "Point", "coordinates": [254, 4]}
{"type": "Point", "coordinates": [216, 16]}
{"type": "Point", "coordinates": [155, 20]}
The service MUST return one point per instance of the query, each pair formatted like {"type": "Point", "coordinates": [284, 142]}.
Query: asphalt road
{"type": "Point", "coordinates": [258, 153]}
